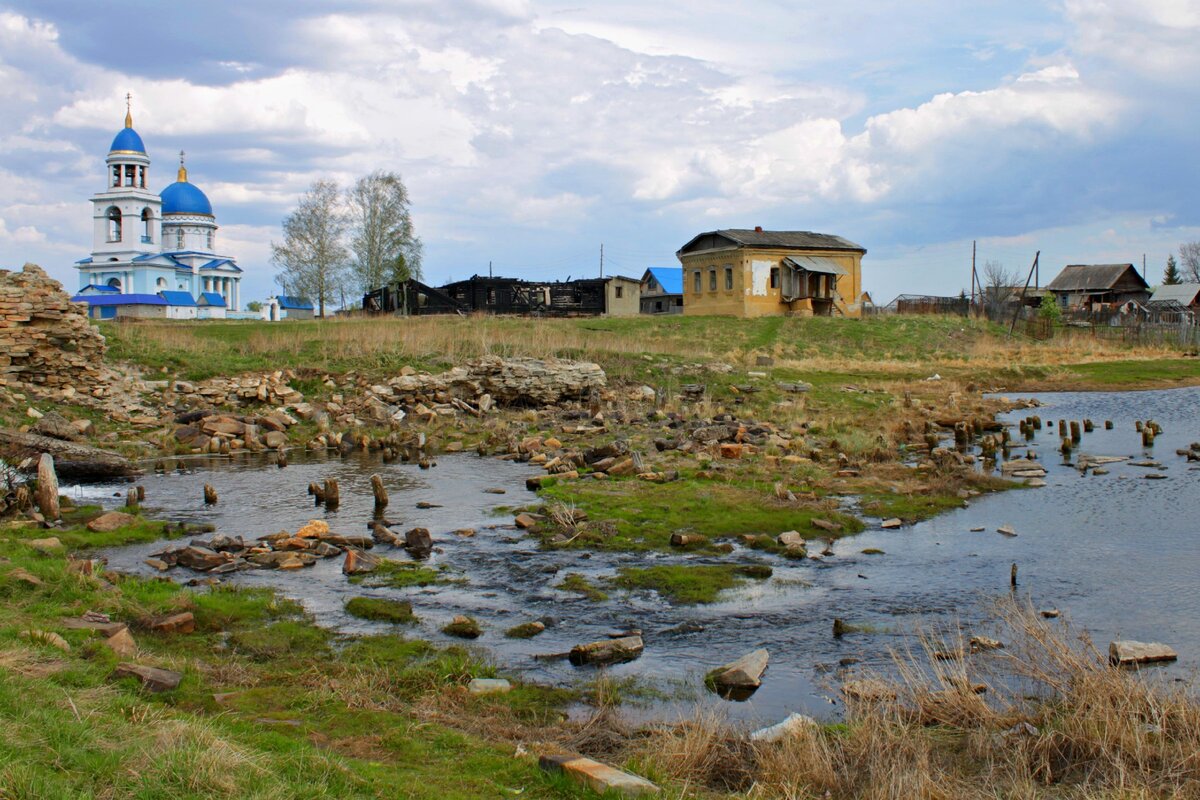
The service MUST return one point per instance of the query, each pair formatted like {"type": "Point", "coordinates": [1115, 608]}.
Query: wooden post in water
{"type": "Point", "coordinates": [1108, 424]}
{"type": "Point", "coordinates": [210, 495]}
{"type": "Point", "coordinates": [1012, 576]}
{"type": "Point", "coordinates": [46, 497]}
{"type": "Point", "coordinates": [1062, 427]}
{"type": "Point", "coordinates": [141, 493]}
{"type": "Point", "coordinates": [131, 497]}
{"type": "Point", "coordinates": [333, 496]}
{"type": "Point", "coordinates": [1075, 434]}
{"type": "Point", "coordinates": [381, 498]}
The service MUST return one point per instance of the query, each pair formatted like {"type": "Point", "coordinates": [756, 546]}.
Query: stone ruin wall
{"type": "Point", "coordinates": [47, 345]}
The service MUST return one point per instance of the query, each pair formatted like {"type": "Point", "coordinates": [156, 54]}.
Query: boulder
{"type": "Point", "coordinates": [122, 643]}
{"type": "Point", "coordinates": [791, 725]}
{"type": "Point", "coordinates": [48, 545]}
{"type": "Point", "coordinates": [153, 678]}
{"type": "Point", "coordinates": [1129, 653]}
{"type": "Point", "coordinates": [183, 622]}
{"type": "Point", "coordinates": [744, 673]}
{"type": "Point", "coordinates": [526, 520]}
{"type": "Point", "coordinates": [463, 627]}
{"type": "Point", "coordinates": [46, 637]}
{"type": "Point", "coordinates": [314, 528]}
{"type": "Point", "coordinates": [110, 521]}
{"type": "Point", "coordinates": [56, 426]}
{"type": "Point", "coordinates": [418, 542]}
{"type": "Point", "coordinates": [607, 651]}
{"type": "Point", "coordinates": [889, 524]}
{"type": "Point", "coordinates": [200, 558]}
{"type": "Point", "coordinates": [359, 563]}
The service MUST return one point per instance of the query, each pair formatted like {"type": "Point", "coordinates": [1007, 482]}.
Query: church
{"type": "Point", "coordinates": [154, 255]}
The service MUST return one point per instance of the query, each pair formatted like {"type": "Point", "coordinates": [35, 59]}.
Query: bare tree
{"type": "Point", "coordinates": [382, 238]}
{"type": "Point", "coordinates": [312, 257]}
{"type": "Point", "coordinates": [999, 283]}
{"type": "Point", "coordinates": [1189, 260]}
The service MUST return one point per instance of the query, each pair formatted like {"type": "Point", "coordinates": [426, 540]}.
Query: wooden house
{"type": "Point", "coordinates": [662, 290]}
{"type": "Point", "coordinates": [755, 273]}
{"type": "Point", "coordinates": [1087, 287]}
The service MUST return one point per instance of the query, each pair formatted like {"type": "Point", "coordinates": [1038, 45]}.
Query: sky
{"type": "Point", "coordinates": [531, 132]}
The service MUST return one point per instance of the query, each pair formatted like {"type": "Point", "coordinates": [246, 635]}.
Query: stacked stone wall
{"type": "Point", "coordinates": [47, 345]}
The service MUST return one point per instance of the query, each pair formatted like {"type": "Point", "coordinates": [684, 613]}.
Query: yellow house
{"type": "Point", "coordinates": [757, 273]}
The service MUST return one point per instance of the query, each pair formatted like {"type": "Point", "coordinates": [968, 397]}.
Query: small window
{"type": "Point", "coordinates": [774, 277]}
{"type": "Point", "coordinates": [130, 171]}
{"type": "Point", "coordinates": [696, 282]}
{"type": "Point", "coordinates": [491, 297]}
{"type": "Point", "coordinates": [114, 224]}
{"type": "Point", "coordinates": [729, 279]}
{"type": "Point", "coordinates": [620, 291]}
{"type": "Point", "coordinates": [712, 279]}
{"type": "Point", "coordinates": [179, 239]}
{"type": "Point", "coordinates": [161, 283]}
{"type": "Point", "coordinates": [116, 175]}
{"type": "Point", "coordinates": [209, 239]}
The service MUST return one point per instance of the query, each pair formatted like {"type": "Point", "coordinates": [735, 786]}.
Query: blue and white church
{"type": "Point", "coordinates": [154, 255]}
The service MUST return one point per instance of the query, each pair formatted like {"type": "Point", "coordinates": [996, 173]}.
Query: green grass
{"type": "Point", "coordinates": [404, 574]}
{"type": "Point", "coordinates": [646, 514]}
{"type": "Point", "coordinates": [382, 609]}
{"type": "Point", "coordinates": [689, 584]}
{"type": "Point", "coordinates": [578, 584]}
{"type": "Point", "coordinates": [1119, 374]}
{"type": "Point", "coordinates": [304, 714]}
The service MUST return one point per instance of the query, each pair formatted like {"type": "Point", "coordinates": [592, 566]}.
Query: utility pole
{"type": "Point", "coordinates": [1032, 271]}
{"type": "Point", "coordinates": [489, 269]}
{"type": "Point", "coordinates": [602, 259]}
{"type": "Point", "coordinates": [974, 276]}
{"type": "Point", "coordinates": [1144, 267]}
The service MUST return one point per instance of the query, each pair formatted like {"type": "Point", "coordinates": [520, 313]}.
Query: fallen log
{"type": "Point", "coordinates": [71, 460]}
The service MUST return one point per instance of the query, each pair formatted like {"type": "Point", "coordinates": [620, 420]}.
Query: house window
{"type": "Point", "coordinates": [774, 277]}
{"type": "Point", "coordinates": [114, 224]}
{"type": "Point", "coordinates": [696, 282]}
{"type": "Point", "coordinates": [491, 297]}
{"type": "Point", "coordinates": [620, 291]}
{"type": "Point", "coordinates": [729, 279]}
{"type": "Point", "coordinates": [712, 279]}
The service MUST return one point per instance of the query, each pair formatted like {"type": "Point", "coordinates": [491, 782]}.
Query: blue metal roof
{"type": "Point", "coordinates": [178, 298]}
{"type": "Point", "coordinates": [87, 260]}
{"type": "Point", "coordinates": [182, 197]}
{"type": "Point", "coordinates": [212, 299]}
{"type": "Point", "coordinates": [99, 288]}
{"type": "Point", "coordinates": [120, 299]}
{"type": "Point", "coordinates": [296, 303]}
{"type": "Point", "coordinates": [221, 263]}
{"type": "Point", "coordinates": [669, 278]}
{"type": "Point", "coordinates": [127, 139]}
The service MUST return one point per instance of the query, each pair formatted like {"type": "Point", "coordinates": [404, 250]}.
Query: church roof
{"type": "Point", "coordinates": [299, 303]}
{"type": "Point", "coordinates": [221, 263]}
{"type": "Point", "coordinates": [178, 298]}
{"type": "Point", "coordinates": [98, 288]}
{"type": "Point", "coordinates": [120, 299]}
{"type": "Point", "coordinates": [182, 197]}
{"type": "Point", "coordinates": [127, 141]}
{"type": "Point", "coordinates": [212, 299]}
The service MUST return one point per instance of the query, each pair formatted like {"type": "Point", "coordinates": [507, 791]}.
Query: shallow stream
{"type": "Point", "coordinates": [1117, 553]}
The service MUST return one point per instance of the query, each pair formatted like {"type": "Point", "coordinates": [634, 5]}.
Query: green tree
{"type": "Point", "coordinates": [1171, 276]}
{"type": "Point", "coordinates": [312, 258]}
{"type": "Point", "coordinates": [383, 240]}
{"type": "Point", "coordinates": [254, 305]}
{"type": "Point", "coordinates": [1049, 309]}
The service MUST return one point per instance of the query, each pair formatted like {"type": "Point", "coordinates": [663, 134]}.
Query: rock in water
{"type": "Point", "coordinates": [745, 673]}
{"type": "Point", "coordinates": [1128, 653]}
{"type": "Point", "coordinates": [47, 488]}
{"type": "Point", "coordinates": [608, 651]}
{"type": "Point", "coordinates": [358, 562]}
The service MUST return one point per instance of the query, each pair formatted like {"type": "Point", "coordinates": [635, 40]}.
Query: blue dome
{"type": "Point", "coordinates": [182, 197]}
{"type": "Point", "coordinates": [128, 139]}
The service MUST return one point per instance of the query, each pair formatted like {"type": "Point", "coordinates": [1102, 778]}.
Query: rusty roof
{"type": "Point", "coordinates": [1090, 277]}
{"type": "Point", "coordinates": [792, 240]}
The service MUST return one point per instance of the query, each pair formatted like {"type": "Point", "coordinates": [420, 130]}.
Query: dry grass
{"type": "Point", "coordinates": [1057, 721]}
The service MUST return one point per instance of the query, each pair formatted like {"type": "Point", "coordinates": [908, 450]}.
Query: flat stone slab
{"type": "Point", "coordinates": [105, 629]}
{"type": "Point", "coordinates": [598, 777]}
{"type": "Point", "coordinates": [1127, 653]}
{"type": "Point", "coordinates": [792, 724]}
{"type": "Point", "coordinates": [745, 673]}
{"type": "Point", "coordinates": [488, 686]}
{"type": "Point", "coordinates": [889, 524]}
{"type": "Point", "coordinates": [625, 648]}
{"type": "Point", "coordinates": [153, 678]}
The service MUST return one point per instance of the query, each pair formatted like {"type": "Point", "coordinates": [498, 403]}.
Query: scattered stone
{"type": "Point", "coordinates": [978, 529]}
{"type": "Point", "coordinates": [358, 562]}
{"type": "Point", "coordinates": [24, 576]}
{"type": "Point", "coordinates": [526, 520]}
{"type": "Point", "coordinates": [463, 627]}
{"type": "Point", "coordinates": [183, 622]}
{"type": "Point", "coordinates": [46, 637]}
{"type": "Point", "coordinates": [826, 525]}
{"type": "Point", "coordinates": [418, 542]}
{"type": "Point", "coordinates": [868, 690]}
{"type": "Point", "coordinates": [792, 724]}
{"type": "Point", "coordinates": [111, 521]}
{"type": "Point", "coordinates": [48, 545]}
{"type": "Point", "coordinates": [894, 522]}
{"type": "Point", "coordinates": [489, 686]}
{"type": "Point", "coordinates": [744, 673]}
{"type": "Point", "coordinates": [122, 643]}
{"type": "Point", "coordinates": [1050, 613]}
{"type": "Point", "coordinates": [1007, 530]}
{"type": "Point", "coordinates": [153, 678]}
{"type": "Point", "coordinates": [600, 778]}
{"type": "Point", "coordinates": [1128, 653]}
{"type": "Point", "coordinates": [526, 630]}
{"type": "Point", "coordinates": [980, 643]}
{"type": "Point", "coordinates": [608, 651]}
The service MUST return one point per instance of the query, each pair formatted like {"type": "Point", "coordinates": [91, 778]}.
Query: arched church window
{"type": "Point", "coordinates": [209, 239]}
{"type": "Point", "coordinates": [147, 219]}
{"type": "Point", "coordinates": [115, 283]}
{"type": "Point", "coordinates": [179, 239]}
{"type": "Point", "coordinates": [161, 283]}
{"type": "Point", "coordinates": [114, 224]}
{"type": "Point", "coordinates": [116, 175]}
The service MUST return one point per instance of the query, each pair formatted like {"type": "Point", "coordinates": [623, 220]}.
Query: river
{"type": "Point", "coordinates": [1116, 553]}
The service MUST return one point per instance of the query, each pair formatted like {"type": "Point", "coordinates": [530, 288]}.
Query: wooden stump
{"type": "Point", "coordinates": [381, 497]}
{"type": "Point", "coordinates": [210, 495]}
{"type": "Point", "coordinates": [333, 496]}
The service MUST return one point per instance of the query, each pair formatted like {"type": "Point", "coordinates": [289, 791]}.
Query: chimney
{"type": "Point", "coordinates": [758, 228]}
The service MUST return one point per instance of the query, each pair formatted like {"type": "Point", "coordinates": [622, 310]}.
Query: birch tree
{"type": "Point", "coordinates": [383, 241]}
{"type": "Point", "coordinates": [312, 258]}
